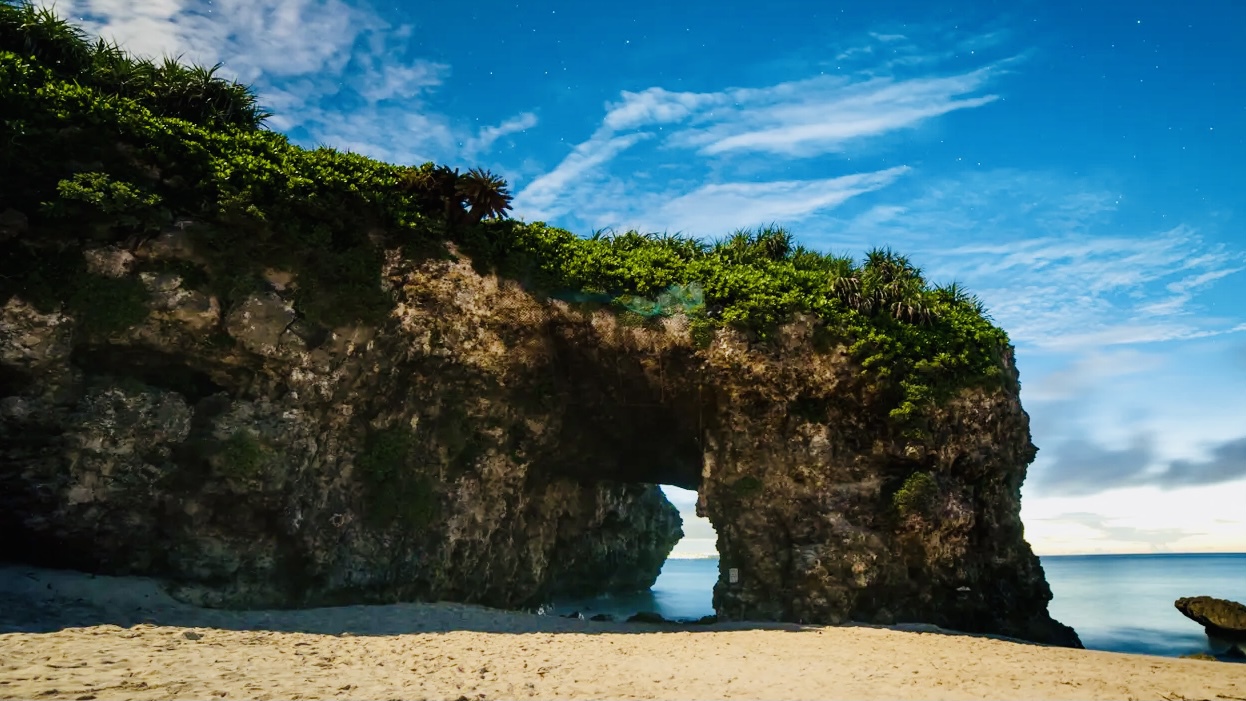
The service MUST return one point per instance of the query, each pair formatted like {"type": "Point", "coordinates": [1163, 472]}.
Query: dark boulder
{"type": "Point", "coordinates": [647, 617]}
{"type": "Point", "coordinates": [1222, 619]}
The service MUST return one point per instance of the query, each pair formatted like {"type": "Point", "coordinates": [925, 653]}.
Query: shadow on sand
{"type": "Point", "coordinates": [39, 600]}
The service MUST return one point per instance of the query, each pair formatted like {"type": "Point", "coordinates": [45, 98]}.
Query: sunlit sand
{"type": "Point", "coordinates": [84, 638]}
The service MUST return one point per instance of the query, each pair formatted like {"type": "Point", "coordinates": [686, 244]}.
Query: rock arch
{"type": "Point", "coordinates": [493, 446]}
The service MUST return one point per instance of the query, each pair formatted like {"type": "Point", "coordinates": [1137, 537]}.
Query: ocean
{"type": "Point", "coordinates": [1116, 603]}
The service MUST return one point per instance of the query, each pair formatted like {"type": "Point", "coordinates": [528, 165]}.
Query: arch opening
{"type": "Point", "coordinates": [683, 590]}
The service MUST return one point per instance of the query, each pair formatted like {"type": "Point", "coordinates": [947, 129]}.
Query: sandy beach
{"type": "Point", "coordinates": [74, 636]}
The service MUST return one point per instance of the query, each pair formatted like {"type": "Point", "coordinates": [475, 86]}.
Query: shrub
{"type": "Point", "coordinates": [702, 332]}
{"type": "Point", "coordinates": [917, 496]}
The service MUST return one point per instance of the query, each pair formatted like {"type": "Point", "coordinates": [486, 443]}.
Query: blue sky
{"type": "Point", "coordinates": [1077, 164]}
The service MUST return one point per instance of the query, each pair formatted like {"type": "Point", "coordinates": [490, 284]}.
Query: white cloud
{"type": "Point", "coordinates": [332, 67]}
{"type": "Point", "coordinates": [712, 209]}
{"type": "Point", "coordinates": [363, 131]}
{"type": "Point", "coordinates": [253, 37]}
{"type": "Point", "coordinates": [380, 82]}
{"type": "Point", "coordinates": [694, 132]}
{"type": "Point", "coordinates": [1032, 246]}
{"type": "Point", "coordinates": [824, 114]}
{"type": "Point", "coordinates": [656, 106]}
{"type": "Point", "coordinates": [1183, 292]}
{"type": "Point", "coordinates": [1138, 519]}
{"type": "Point", "coordinates": [546, 196]}
{"type": "Point", "coordinates": [489, 135]}
{"type": "Point", "coordinates": [798, 118]}
{"type": "Point", "coordinates": [1090, 370]}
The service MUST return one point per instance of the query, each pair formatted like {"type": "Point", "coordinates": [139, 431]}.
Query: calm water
{"type": "Point", "coordinates": [1123, 603]}
{"type": "Point", "coordinates": [1120, 603]}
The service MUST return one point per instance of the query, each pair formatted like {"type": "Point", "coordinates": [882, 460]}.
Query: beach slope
{"type": "Point", "coordinates": [74, 636]}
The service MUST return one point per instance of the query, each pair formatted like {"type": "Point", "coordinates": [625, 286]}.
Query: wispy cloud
{"type": "Point", "coordinates": [1067, 293]}
{"type": "Point", "coordinates": [723, 208]}
{"type": "Point", "coordinates": [1082, 467]}
{"type": "Point", "coordinates": [332, 69]}
{"type": "Point", "coordinates": [1105, 529]}
{"type": "Point", "coordinates": [823, 114]}
{"type": "Point", "coordinates": [691, 135]}
{"type": "Point", "coordinates": [489, 135]}
{"type": "Point", "coordinates": [797, 119]}
{"type": "Point", "coordinates": [1045, 254]}
{"type": "Point", "coordinates": [1089, 370]}
{"type": "Point", "coordinates": [1183, 292]}
{"type": "Point", "coordinates": [882, 51]}
{"type": "Point", "coordinates": [559, 191]}
{"type": "Point", "coordinates": [259, 38]}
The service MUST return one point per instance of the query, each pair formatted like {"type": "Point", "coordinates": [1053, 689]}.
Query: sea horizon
{"type": "Point", "coordinates": [1117, 602]}
{"type": "Point", "coordinates": [714, 556]}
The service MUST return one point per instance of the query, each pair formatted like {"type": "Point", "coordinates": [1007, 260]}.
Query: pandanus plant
{"type": "Point", "coordinates": [770, 243]}
{"type": "Point", "coordinates": [954, 293]}
{"type": "Point", "coordinates": [28, 30]}
{"type": "Point", "coordinates": [463, 200]}
{"type": "Point", "coordinates": [774, 243]}
{"type": "Point", "coordinates": [196, 93]}
{"type": "Point", "coordinates": [486, 195]}
{"type": "Point", "coordinates": [170, 89]}
{"type": "Point", "coordinates": [888, 283]}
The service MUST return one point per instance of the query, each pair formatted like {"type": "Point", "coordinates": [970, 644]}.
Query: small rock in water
{"type": "Point", "coordinates": [1224, 622]}
{"type": "Point", "coordinates": [602, 618]}
{"type": "Point", "coordinates": [647, 617]}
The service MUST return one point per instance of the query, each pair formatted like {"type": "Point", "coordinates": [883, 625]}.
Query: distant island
{"type": "Point", "coordinates": [285, 377]}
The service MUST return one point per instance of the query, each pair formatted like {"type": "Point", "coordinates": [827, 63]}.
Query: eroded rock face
{"type": "Point", "coordinates": [243, 455]}
{"type": "Point", "coordinates": [223, 451]}
{"type": "Point", "coordinates": [797, 478]}
{"type": "Point", "coordinates": [32, 342]}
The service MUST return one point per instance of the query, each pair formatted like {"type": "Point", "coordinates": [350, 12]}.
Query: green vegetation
{"type": "Point", "coordinates": [917, 496]}
{"type": "Point", "coordinates": [395, 490]}
{"type": "Point", "coordinates": [101, 147]}
{"type": "Point", "coordinates": [702, 332]}
{"type": "Point", "coordinates": [242, 455]}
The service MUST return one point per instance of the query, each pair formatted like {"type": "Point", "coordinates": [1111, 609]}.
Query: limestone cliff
{"type": "Point", "coordinates": [487, 445]}
{"type": "Point", "coordinates": [282, 376]}
{"type": "Point", "coordinates": [232, 455]}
